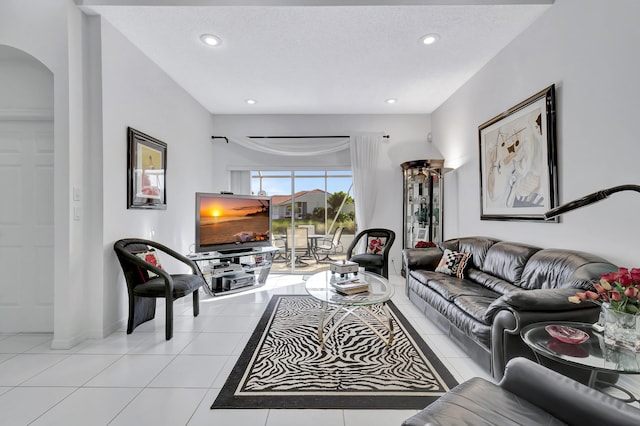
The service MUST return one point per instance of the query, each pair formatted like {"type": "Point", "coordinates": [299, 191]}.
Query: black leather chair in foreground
{"type": "Point", "coordinates": [376, 243]}
{"type": "Point", "coordinates": [528, 394]}
{"type": "Point", "coordinates": [146, 281]}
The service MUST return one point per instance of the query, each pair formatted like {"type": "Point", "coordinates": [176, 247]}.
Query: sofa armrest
{"type": "Point", "coordinates": [421, 258]}
{"type": "Point", "coordinates": [553, 299]}
{"type": "Point", "coordinates": [508, 320]}
{"type": "Point", "coordinates": [564, 398]}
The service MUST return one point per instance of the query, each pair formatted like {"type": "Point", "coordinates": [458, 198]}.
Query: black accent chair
{"type": "Point", "coordinates": [146, 282]}
{"type": "Point", "coordinates": [528, 394]}
{"type": "Point", "coordinates": [377, 263]}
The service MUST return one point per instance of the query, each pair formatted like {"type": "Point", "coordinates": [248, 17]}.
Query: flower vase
{"type": "Point", "coordinates": [621, 329]}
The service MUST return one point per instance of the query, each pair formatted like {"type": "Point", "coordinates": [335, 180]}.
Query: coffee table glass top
{"type": "Point", "coordinates": [319, 286]}
{"type": "Point", "coordinates": [592, 354]}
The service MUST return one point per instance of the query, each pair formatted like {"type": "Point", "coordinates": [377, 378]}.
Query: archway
{"type": "Point", "coordinates": [26, 190]}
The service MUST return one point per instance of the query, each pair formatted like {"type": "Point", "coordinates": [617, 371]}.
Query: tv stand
{"type": "Point", "coordinates": [234, 251]}
{"type": "Point", "coordinates": [235, 270]}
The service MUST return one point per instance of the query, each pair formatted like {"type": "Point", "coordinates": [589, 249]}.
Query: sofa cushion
{"type": "Point", "coordinates": [489, 281]}
{"type": "Point", "coordinates": [556, 268]}
{"type": "Point", "coordinates": [507, 260]}
{"type": "Point", "coordinates": [453, 263]}
{"type": "Point", "coordinates": [478, 247]}
{"type": "Point", "coordinates": [476, 330]}
{"type": "Point", "coordinates": [450, 287]}
{"type": "Point", "coordinates": [475, 306]}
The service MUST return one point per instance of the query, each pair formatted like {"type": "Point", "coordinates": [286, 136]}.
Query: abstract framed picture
{"type": "Point", "coordinates": [518, 166]}
{"type": "Point", "coordinates": [146, 171]}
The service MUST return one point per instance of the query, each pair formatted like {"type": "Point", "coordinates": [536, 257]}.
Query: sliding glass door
{"type": "Point", "coordinates": [312, 216]}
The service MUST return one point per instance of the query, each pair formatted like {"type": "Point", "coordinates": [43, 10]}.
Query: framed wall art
{"type": "Point", "coordinates": [422, 234]}
{"type": "Point", "coordinates": [146, 172]}
{"type": "Point", "coordinates": [518, 166]}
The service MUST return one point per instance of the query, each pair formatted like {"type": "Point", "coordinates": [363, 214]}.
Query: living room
{"type": "Point", "coordinates": [102, 84]}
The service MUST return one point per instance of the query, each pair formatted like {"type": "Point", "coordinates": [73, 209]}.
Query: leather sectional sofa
{"type": "Point", "coordinates": [505, 287]}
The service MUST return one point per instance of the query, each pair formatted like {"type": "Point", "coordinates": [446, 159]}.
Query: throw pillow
{"type": "Point", "coordinates": [453, 263]}
{"type": "Point", "coordinates": [151, 257]}
{"type": "Point", "coordinates": [375, 245]}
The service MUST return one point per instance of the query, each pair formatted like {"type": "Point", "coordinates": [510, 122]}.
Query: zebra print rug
{"type": "Point", "coordinates": [282, 365]}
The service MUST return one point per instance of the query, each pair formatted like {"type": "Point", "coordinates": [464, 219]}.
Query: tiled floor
{"type": "Point", "coordinates": [143, 379]}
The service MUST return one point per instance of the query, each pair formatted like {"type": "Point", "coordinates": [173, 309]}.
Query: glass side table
{"type": "Point", "coordinates": [592, 355]}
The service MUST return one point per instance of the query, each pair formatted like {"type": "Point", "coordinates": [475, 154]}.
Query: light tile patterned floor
{"type": "Point", "coordinates": [143, 379]}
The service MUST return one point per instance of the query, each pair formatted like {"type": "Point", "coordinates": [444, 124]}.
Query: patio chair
{"type": "Point", "coordinates": [299, 240]}
{"type": "Point", "coordinates": [327, 247]}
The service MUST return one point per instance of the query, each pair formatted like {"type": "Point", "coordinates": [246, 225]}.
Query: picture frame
{"type": "Point", "coordinates": [518, 161]}
{"type": "Point", "coordinates": [146, 171]}
{"type": "Point", "coordinates": [422, 234]}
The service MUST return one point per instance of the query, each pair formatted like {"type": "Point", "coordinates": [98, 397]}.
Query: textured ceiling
{"type": "Point", "coordinates": [319, 59]}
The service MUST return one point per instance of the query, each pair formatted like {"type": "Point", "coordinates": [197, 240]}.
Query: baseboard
{"type": "Point", "coordinates": [63, 344]}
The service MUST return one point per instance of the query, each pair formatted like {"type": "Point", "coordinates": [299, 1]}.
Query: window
{"type": "Point", "coordinates": [320, 200]}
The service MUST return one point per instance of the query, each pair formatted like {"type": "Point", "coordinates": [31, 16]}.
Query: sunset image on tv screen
{"type": "Point", "coordinates": [233, 220]}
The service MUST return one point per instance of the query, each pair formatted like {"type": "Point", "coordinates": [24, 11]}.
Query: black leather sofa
{"type": "Point", "coordinates": [506, 286]}
{"type": "Point", "coordinates": [528, 394]}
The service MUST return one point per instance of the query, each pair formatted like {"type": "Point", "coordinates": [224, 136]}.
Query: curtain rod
{"type": "Point", "coordinates": [289, 137]}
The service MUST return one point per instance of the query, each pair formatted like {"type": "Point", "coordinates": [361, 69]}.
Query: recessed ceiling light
{"type": "Point", "coordinates": [429, 38]}
{"type": "Point", "coordinates": [210, 40]}
{"type": "Point", "coordinates": [251, 101]}
{"type": "Point", "coordinates": [391, 101]}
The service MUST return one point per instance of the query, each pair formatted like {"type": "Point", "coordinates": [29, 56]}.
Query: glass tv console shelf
{"type": "Point", "coordinates": [233, 271]}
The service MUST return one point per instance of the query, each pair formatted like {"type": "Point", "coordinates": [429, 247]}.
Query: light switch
{"type": "Point", "coordinates": [76, 193]}
{"type": "Point", "coordinates": [77, 212]}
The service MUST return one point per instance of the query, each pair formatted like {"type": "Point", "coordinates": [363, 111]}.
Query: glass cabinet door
{"type": "Point", "coordinates": [422, 197]}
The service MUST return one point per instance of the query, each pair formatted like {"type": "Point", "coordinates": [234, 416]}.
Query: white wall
{"type": "Point", "coordinates": [45, 29]}
{"type": "Point", "coordinates": [588, 48]}
{"type": "Point", "coordinates": [102, 84]}
{"type": "Point", "coordinates": [27, 86]}
{"type": "Point", "coordinates": [408, 141]}
{"type": "Point", "coordinates": [136, 93]}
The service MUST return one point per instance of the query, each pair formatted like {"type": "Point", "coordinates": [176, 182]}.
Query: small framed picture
{"type": "Point", "coordinates": [146, 172]}
{"type": "Point", "coordinates": [422, 234]}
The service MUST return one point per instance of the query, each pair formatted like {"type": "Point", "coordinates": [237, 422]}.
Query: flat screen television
{"type": "Point", "coordinates": [227, 223]}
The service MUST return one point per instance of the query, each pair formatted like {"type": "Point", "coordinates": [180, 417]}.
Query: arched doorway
{"type": "Point", "coordinates": [26, 191]}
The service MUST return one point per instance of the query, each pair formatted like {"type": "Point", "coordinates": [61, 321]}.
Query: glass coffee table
{"type": "Point", "coordinates": [592, 355]}
{"type": "Point", "coordinates": [369, 307]}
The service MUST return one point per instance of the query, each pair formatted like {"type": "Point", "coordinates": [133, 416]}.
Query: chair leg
{"type": "Point", "coordinates": [132, 313]}
{"type": "Point", "coordinates": [196, 303]}
{"type": "Point", "coordinates": [141, 309]}
{"type": "Point", "coordinates": [168, 318]}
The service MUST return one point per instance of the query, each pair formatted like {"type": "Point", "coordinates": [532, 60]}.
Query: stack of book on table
{"type": "Point", "coordinates": [350, 286]}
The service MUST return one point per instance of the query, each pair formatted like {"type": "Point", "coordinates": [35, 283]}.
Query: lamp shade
{"type": "Point", "coordinates": [403, 152]}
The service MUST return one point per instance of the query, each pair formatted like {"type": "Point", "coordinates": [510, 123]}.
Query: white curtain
{"type": "Point", "coordinates": [293, 146]}
{"type": "Point", "coordinates": [364, 162]}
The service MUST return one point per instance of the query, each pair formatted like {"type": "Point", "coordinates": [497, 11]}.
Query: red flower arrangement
{"type": "Point", "coordinates": [621, 290]}
{"type": "Point", "coordinates": [424, 244]}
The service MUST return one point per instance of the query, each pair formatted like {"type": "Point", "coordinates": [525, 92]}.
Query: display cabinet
{"type": "Point", "coordinates": [422, 202]}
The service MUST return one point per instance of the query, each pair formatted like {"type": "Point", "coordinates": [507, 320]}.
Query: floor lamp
{"type": "Point", "coordinates": [589, 199]}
